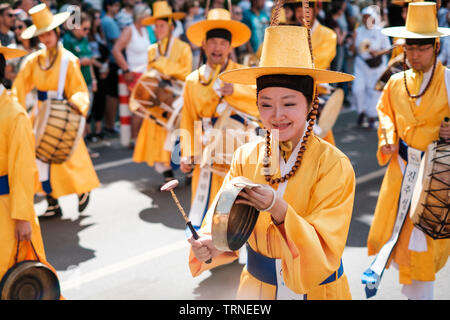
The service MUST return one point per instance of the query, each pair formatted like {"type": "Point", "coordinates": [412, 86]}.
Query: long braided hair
{"type": "Point", "coordinates": [3, 81]}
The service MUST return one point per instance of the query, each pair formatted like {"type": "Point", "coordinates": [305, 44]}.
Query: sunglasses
{"type": "Point", "coordinates": [20, 27]}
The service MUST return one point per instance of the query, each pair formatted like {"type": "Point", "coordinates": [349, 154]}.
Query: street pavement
{"type": "Point", "coordinates": [130, 242]}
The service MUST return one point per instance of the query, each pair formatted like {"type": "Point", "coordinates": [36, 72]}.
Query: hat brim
{"type": "Point", "coordinates": [240, 33]}
{"type": "Point", "coordinates": [152, 20]}
{"type": "Point", "coordinates": [58, 19]}
{"type": "Point", "coordinates": [249, 75]}
{"type": "Point", "coordinates": [401, 32]}
{"type": "Point", "coordinates": [10, 53]}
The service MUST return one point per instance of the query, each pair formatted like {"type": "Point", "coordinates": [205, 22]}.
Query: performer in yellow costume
{"type": "Point", "coordinates": [41, 70]}
{"type": "Point", "coordinates": [203, 95]}
{"type": "Point", "coordinates": [323, 41]}
{"type": "Point", "coordinates": [18, 221]}
{"type": "Point", "coordinates": [411, 109]}
{"type": "Point", "coordinates": [173, 58]}
{"type": "Point", "coordinates": [303, 224]}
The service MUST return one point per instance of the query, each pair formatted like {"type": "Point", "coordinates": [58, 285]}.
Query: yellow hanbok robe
{"type": "Point", "coordinates": [311, 241]}
{"type": "Point", "coordinates": [200, 101]}
{"type": "Point", "coordinates": [76, 175]}
{"type": "Point", "coordinates": [18, 167]}
{"type": "Point", "coordinates": [418, 126]}
{"type": "Point", "coordinates": [323, 42]}
{"type": "Point", "coordinates": [151, 138]}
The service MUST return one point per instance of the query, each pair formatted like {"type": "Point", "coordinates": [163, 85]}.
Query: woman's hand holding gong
{"type": "Point", "coordinates": [264, 199]}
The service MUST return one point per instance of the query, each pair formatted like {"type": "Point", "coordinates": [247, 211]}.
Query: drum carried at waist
{"type": "Point", "coordinates": [58, 127]}
{"type": "Point", "coordinates": [330, 105]}
{"type": "Point", "coordinates": [157, 98]}
{"type": "Point", "coordinates": [430, 204]}
{"type": "Point", "coordinates": [228, 133]}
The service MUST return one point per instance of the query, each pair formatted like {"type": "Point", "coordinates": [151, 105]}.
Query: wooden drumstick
{"type": "Point", "coordinates": [169, 186]}
{"type": "Point", "coordinates": [383, 130]}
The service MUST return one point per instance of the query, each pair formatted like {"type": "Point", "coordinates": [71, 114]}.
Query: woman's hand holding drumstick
{"type": "Point", "coordinates": [169, 186]}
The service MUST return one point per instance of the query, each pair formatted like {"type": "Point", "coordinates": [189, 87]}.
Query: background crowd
{"type": "Point", "coordinates": [100, 34]}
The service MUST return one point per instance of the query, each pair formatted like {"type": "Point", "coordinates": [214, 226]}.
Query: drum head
{"type": "Point", "coordinates": [330, 112]}
{"type": "Point", "coordinates": [158, 96]}
{"type": "Point", "coordinates": [431, 197]}
{"type": "Point", "coordinates": [58, 131]}
{"type": "Point", "coordinates": [29, 280]}
{"type": "Point", "coordinates": [233, 223]}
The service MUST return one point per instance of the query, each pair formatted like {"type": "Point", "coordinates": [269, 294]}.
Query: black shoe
{"type": "Point", "coordinates": [110, 132]}
{"type": "Point", "coordinates": [168, 176]}
{"type": "Point", "coordinates": [83, 200]}
{"type": "Point", "coordinates": [188, 179]}
{"type": "Point", "coordinates": [360, 120]}
{"type": "Point", "coordinates": [372, 124]}
{"type": "Point", "coordinates": [53, 209]}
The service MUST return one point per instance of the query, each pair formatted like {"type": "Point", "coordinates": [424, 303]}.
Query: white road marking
{"type": "Point", "coordinates": [370, 176]}
{"type": "Point", "coordinates": [112, 164]}
{"type": "Point", "coordinates": [76, 278]}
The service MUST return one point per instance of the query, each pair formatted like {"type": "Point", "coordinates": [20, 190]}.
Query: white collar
{"type": "Point", "coordinates": [2, 88]}
{"type": "Point", "coordinates": [314, 26]}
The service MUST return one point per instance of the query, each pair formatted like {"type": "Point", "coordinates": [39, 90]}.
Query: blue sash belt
{"type": "Point", "coordinates": [42, 95]}
{"type": "Point", "coordinates": [263, 268]}
{"type": "Point", "coordinates": [234, 116]}
{"type": "Point", "coordinates": [4, 185]}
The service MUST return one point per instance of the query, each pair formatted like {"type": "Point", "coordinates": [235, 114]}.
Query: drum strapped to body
{"type": "Point", "coordinates": [430, 204]}
{"type": "Point", "coordinates": [161, 99]}
{"type": "Point", "coordinates": [394, 66]}
{"type": "Point", "coordinates": [232, 224]}
{"type": "Point", "coordinates": [58, 128]}
{"type": "Point", "coordinates": [229, 132]}
{"type": "Point", "coordinates": [329, 108]}
{"type": "Point", "coordinates": [250, 60]}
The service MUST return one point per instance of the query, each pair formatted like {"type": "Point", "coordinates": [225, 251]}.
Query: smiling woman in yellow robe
{"type": "Point", "coordinates": [303, 223]}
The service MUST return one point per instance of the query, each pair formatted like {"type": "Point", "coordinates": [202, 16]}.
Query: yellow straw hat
{"type": "Point", "coordinates": [219, 19]}
{"type": "Point", "coordinates": [162, 10]}
{"type": "Point", "coordinates": [292, 1]}
{"type": "Point", "coordinates": [10, 53]}
{"type": "Point", "coordinates": [402, 2]}
{"type": "Point", "coordinates": [421, 22]}
{"type": "Point", "coordinates": [285, 50]}
{"type": "Point", "coordinates": [43, 21]}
